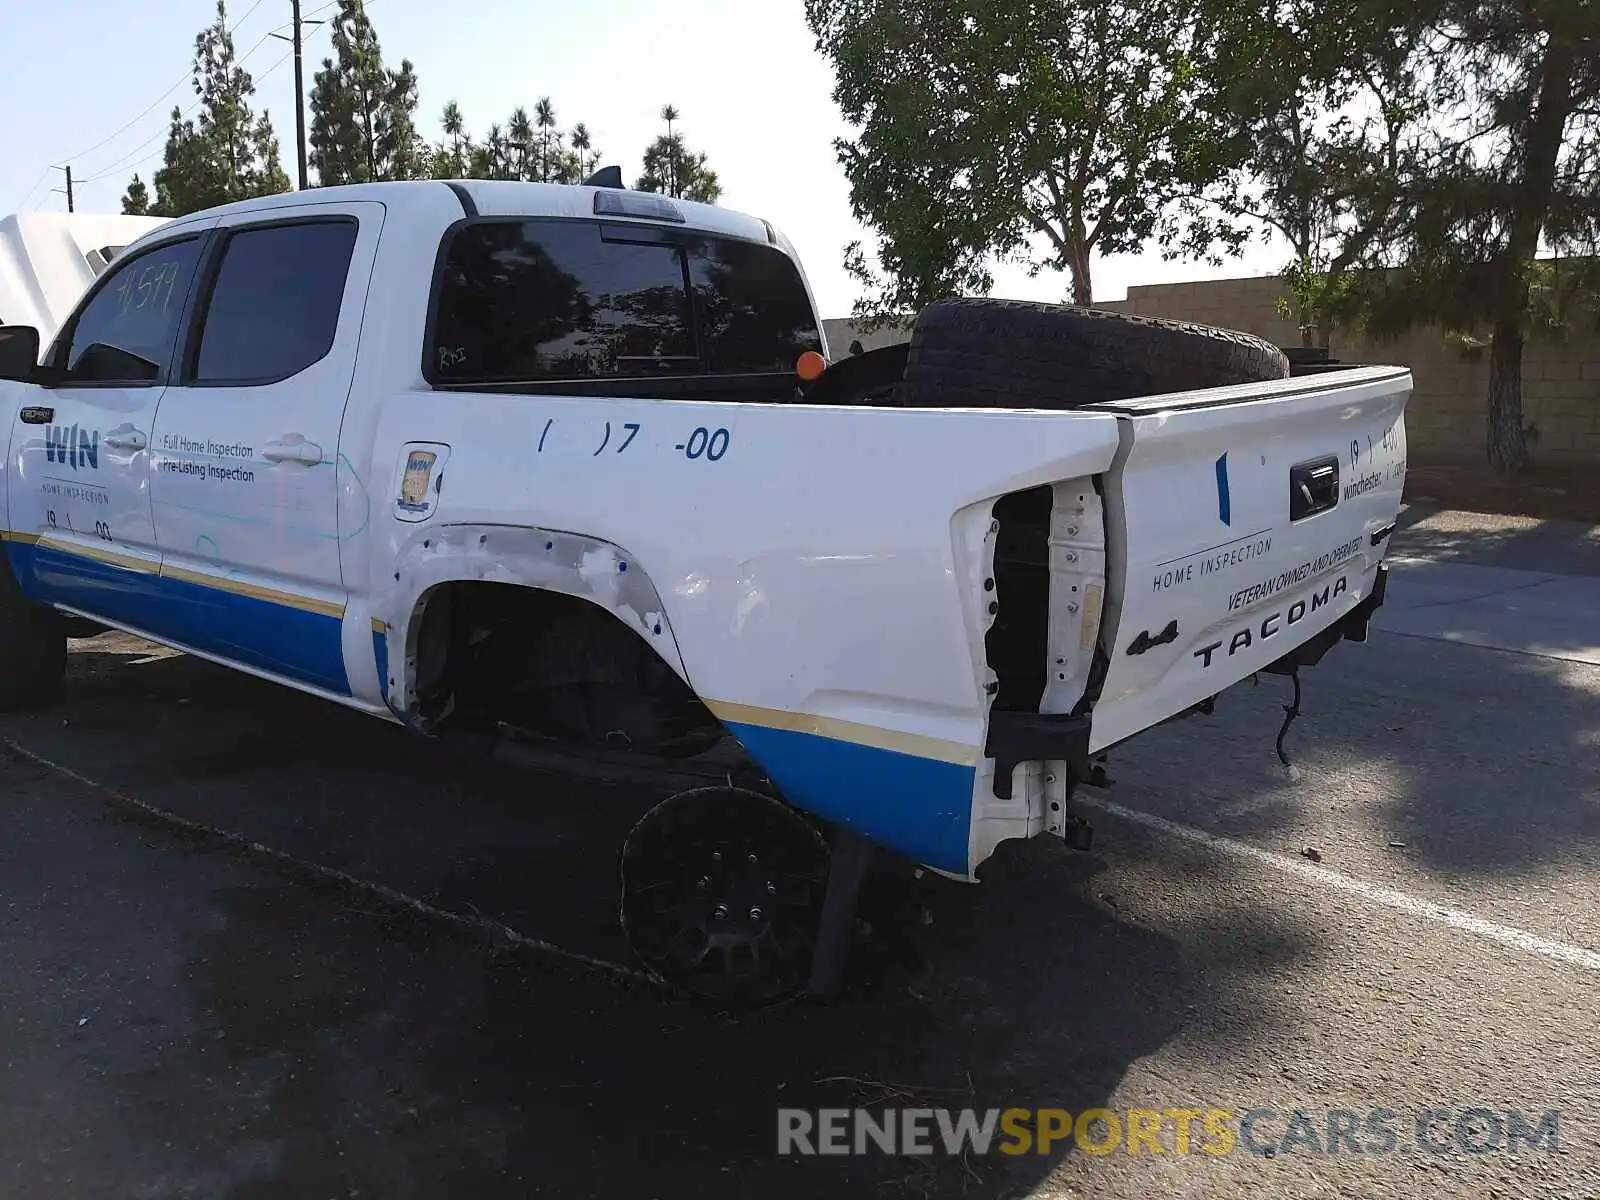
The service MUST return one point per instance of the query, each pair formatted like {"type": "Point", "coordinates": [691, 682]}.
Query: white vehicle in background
{"type": "Point", "coordinates": [48, 260]}
{"type": "Point", "coordinates": [559, 468]}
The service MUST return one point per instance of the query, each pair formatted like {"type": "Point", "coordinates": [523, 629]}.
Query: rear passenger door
{"type": "Point", "coordinates": [245, 473]}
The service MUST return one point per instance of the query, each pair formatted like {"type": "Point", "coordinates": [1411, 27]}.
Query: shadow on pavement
{"type": "Point", "coordinates": [420, 1065]}
{"type": "Point", "coordinates": [347, 1050]}
{"type": "Point", "coordinates": [1463, 762]}
{"type": "Point", "coordinates": [1486, 540]}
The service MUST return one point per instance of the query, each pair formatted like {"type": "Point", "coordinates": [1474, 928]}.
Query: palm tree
{"type": "Point", "coordinates": [496, 152]}
{"type": "Point", "coordinates": [454, 129]}
{"type": "Point", "coordinates": [545, 114]}
{"type": "Point", "coordinates": [669, 114]}
{"type": "Point", "coordinates": [520, 134]}
{"type": "Point", "coordinates": [581, 143]}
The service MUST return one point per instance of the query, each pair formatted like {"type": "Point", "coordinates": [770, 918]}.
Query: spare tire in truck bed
{"type": "Point", "coordinates": [977, 353]}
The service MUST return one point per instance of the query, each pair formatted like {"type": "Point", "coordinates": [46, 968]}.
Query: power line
{"type": "Point", "coordinates": [112, 167]}
{"type": "Point", "coordinates": [187, 75]}
{"type": "Point", "coordinates": [117, 169]}
{"type": "Point", "coordinates": [117, 166]}
{"type": "Point", "coordinates": [124, 163]}
{"type": "Point", "coordinates": [28, 195]}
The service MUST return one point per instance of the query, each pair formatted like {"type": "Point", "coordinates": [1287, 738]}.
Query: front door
{"type": "Point", "coordinates": [244, 456]}
{"type": "Point", "coordinates": [81, 530]}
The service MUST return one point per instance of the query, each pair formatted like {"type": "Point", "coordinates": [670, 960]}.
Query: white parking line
{"type": "Point", "coordinates": [389, 894]}
{"type": "Point", "coordinates": [1455, 918]}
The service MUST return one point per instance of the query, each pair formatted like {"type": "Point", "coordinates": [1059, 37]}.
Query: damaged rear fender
{"type": "Point", "coordinates": [550, 560]}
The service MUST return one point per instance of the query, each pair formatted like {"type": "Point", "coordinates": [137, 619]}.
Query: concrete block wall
{"type": "Point", "coordinates": [1446, 417]}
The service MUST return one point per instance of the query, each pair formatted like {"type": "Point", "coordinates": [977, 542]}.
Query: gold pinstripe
{"type": "Point", "coordinates": [126, 561]}
{"type": "Point", "coordinates": [915, 744]}
{"type": "Point", "coordinates": [847, 731]}
{"type": "Point", "coordinates": [238, 587]}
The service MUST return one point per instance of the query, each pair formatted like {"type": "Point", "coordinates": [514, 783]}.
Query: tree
{"type": "Point", "coordinates": [507, 152]}
{"type": "Point", "coordinates": [229, 153]}
{"type": "Point", "coordinates": [545, 114]}
{"type": "Point", "coordinates": [363, 116]}
{"type": "Point", "coordinates": [566, 164]}
{"type": "Point", "coordinates": [1510, 166]}
{"type": "Point", "coordinates": [582, 143]}
{"type": "Point", "coordinates": [1331, 131]}
{"type": "Point", "coordinates": [1040, 133]}
{"type": "Point", "coordinates": [491, 159]}
{"type": "Point", "coordinates": [136, 201]}
{"type": "Point", "coordinates": [519, 140]}
{"type": "Point", "coordinates": [669, 114]}
{"type": "Point", "coordinates": [671, 167]}
{"type": "Point", "coordinates": [452, 156]}
{"type": "Point", "coordinates": [401, 152]}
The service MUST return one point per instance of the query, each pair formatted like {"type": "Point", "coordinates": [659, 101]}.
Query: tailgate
{"type": "Point", "coordinates": [1241, 521]}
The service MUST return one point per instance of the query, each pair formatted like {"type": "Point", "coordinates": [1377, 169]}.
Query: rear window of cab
{"type": "Point", "coordinates": [552, 300]}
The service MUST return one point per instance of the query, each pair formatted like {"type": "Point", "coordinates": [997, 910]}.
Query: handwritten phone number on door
{"type": "Point", "coordinates": [703, 443]}
{"type": "Point", "coordinates": [101, 529]}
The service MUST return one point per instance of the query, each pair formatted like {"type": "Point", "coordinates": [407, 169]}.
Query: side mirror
{"type": "Point", "coordinates": [19, 352]}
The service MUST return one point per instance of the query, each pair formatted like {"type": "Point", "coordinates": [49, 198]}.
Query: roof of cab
{"type": "Point", "coordinates": [501, 198]}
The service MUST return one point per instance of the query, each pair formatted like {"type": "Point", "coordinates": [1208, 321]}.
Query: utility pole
{"type": "Point", "coordinates": [299, 89]}
{"type": "Point", "coordinates": [68, 170]}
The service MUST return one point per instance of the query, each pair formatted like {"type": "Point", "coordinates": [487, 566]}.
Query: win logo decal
{"type": "Point", "coordinates": [72, 447]}
{"type": "Point", "coordinates": [1224, 499]}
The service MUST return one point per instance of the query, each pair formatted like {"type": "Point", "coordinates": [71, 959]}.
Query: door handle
{"type": "Point", "coordinates": [292, 447]}
{"type": "Point", "coordinates": [1313, 487]}
{"type": "Point", "coordinates": [126, 439]}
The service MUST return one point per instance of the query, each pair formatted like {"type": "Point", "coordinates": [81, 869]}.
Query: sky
{"type": "Point", "coordinates": [753, 93]}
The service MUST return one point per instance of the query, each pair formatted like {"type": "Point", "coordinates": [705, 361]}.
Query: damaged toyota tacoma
{"type": "Point", "coordinates": [567, 470]}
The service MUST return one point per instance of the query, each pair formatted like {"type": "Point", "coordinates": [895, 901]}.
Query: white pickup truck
{"type": "Point", "coordinates": [554, 465]}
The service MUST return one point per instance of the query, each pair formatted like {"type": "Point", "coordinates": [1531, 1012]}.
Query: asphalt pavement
{"type": "Point", "coordinates": [257, 946]}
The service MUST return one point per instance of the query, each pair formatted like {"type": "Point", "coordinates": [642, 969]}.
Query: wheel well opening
{"type": "Point", "coordinates": [496, 658]}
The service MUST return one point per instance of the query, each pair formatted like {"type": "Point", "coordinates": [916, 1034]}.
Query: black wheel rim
{"type": "Point", "coordinates": [721, 893]}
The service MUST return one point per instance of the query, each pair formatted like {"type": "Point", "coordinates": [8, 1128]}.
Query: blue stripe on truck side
{"type": "Point", "coordinates": [920, 807]}
{"type": "Point", "coordinates": [284, 639]}
{"type": "Point", "coordinates": [909, 793]}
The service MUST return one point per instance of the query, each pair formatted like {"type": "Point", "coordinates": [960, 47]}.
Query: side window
{"type": "Point", "coordinates": [274, 308]}
{"type": "Point", "coordinates": [752, 307]}
{"type": "Point", "coordinates": [125, 333]}
{"type": "Point", "coordinates": [540, 300]}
